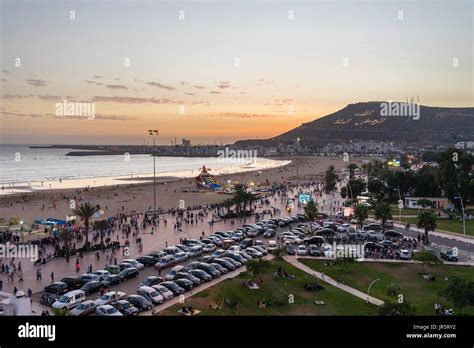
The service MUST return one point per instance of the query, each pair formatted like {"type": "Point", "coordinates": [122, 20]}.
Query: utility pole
{"type": "Point", "coordinates": [153, 133]}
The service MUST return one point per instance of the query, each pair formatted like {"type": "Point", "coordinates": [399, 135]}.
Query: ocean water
{"type": "Point", "coordinates": [21, 164]}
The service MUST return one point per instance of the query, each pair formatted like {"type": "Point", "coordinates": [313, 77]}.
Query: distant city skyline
{"type": "Point", "coordinates": [217, 72]}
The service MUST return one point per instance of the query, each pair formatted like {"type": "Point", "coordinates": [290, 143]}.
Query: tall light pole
{"type": "Point", "coordinates": [368, 290]}
{"type": "Point", "coordinates": [463, 214]}
{"type": "Point", "coordinates": [153, 133]}
{"type": "Point", "coordinates": [297, 165]}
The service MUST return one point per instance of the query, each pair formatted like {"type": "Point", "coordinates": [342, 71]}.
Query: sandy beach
{"type": "Point", "coordinates": [139, 195]}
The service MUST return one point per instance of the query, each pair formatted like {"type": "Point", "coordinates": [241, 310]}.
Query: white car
{"type": "Point", "coordinates": [219, 253]}
{"type": "Point", "coordinates": [151, 294]}
{"type": "Point", "coordinates": [253, 252]}
{"type": "Point", "coordinates": [108, 310]}
{"type": "Point", "coordinates": [134, 263]}
{"type": "Point", "coordinates": [405, 254]}
{"type": "Point", "coordinates": [102, 274]}
{"type": "Point", "coordinates": [166, 293]}
{"type": "Point", "coordinates": [208, 248]}
{"type": "Point", "coordinates": [110, 297]}
{"type": "Point", "coordinates": [272, 245]}
{"type": "Point", "coordinates": [234, 248]}
{"type": "Point", "coordinates": [327, 250]}
{"type": "Point", "coordinates": [301, 251]}
{"type": "Point", "coordinates": [181, 256]}
{"type": "Point", "coordinates": [291, 240]}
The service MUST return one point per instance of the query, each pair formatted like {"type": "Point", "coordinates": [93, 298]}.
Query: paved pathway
{"type": "Point", "coordinates": [294, 261]}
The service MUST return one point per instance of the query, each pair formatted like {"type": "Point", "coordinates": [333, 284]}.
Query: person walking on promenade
{"type": "Point", "coordinates": [52, 277]}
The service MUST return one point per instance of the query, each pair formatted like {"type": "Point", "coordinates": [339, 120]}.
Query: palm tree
{"type": "Point", "coordinates": [382, 212]}
{"type": "Point", "coordinates": [352, 168]}
{"type": "Point", "coordinates": [310, 211]}
{"type": "Point", "coordinates": [101, 225]}
{"type": "Point", "coordinates": [86, 211]}
{"type": "Point", "coordinates": [257, 267]}
{"type": "Point", "coordinates": [279, 253]}
{"type": "Point", "coordinates": [427, 221]}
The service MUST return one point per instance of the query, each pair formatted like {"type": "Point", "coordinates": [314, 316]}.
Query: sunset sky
{"type": "Point", "coordinates": [289, 71]}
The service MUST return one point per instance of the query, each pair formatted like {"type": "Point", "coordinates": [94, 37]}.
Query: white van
{"type": "Point", "coordinates": [171, 274]}
{"type": "Point", "coordinates": [195, 251]}
{"type": "Point", "coordinates": [70, 299]}
{"type": "Point", "coordinates": [172, 250]}
{"type": "Point", "coordinates": [151, 294]}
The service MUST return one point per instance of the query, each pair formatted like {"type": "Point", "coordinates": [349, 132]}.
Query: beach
{"type": "Point", "coordinates": [138, 195]}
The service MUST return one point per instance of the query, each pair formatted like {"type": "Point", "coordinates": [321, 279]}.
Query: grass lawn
{"type": "Point", "coordinates": [277, 292]}
{"type": "Point", "coordinates": [423, 294]}
{"type": "Point", "coordinates": [448, 225]}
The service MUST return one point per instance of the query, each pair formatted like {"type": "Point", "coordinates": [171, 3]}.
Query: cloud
{"type": "Point", "coordinates": [223, 85]}
{"type": "Point", "coordinates": [5, 71]}
{"type": "Point", "coordinates": [242, 115]}
{"type": "Point", "coordinates": [19, 114]}
{"type": "Point", "coordinates": [16, 96]}
{"type": "Point", "coordinates": [134, 100]}
{"type": "Point", "coordinates": [215, 92]}
{"type": "Point", "coordinates": [200, 102]}
{"type": "Point", "coordinates": [89, 81]}
{"type": "Point", "coordinates": [199, 87]}
{"type": "Point", "coordinates": [36, 82]}
{"type": "Point", "coordinates": [116, 87]}
{"type": "Point", "coordinates": [159, 85]}
{"type": "Point", "coordinates": [3, 112]}
{"type": "Point", "coordinates": [3, 80]}
{"type": "Point", "coordinates": [97, 77]}
{"type": "Point", "coordinates": [50, 97]}
{"type": "Point", "coordinates": [190, 94]}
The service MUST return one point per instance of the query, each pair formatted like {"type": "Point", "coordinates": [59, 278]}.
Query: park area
{"type": "Point", "coordinates": [275, 296]}
{"type": "Point", "coordinates": [420, 291]}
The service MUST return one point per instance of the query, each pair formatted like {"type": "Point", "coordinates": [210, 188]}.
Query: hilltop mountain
{"type": "Point", "coordinates": [371, 121]}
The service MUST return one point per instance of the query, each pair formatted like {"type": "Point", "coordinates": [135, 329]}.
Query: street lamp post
{"type": "Point", "coordinates": [463, 214]}
{"type": "Point", "coordinates": [368, 290]}
{"type": "Point", "coordinates": [153, 133]}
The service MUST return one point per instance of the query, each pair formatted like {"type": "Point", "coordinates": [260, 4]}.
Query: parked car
{"type": "Point", "coordinates": [209, 248]}
{"type": "Point", "coordinates": [89, 277]}
{"type": "Point", "coordinates": [404, 254]}
{"type": "Point", "coordinates": [91, 287]}
{"type": "Point", "coordinates": [134, 263]}
{"type": "Point", "coordinates": [186, 275]}
{"type": "Point", "coordinates": [73, 282]}
{"type": "Point", "coordinates": [140, 302]}
{"type": "Point", "coordinates": [220, 268]}
{"type": "Point", "coordinates": [83, 308]}
{"type": "Point", "coordinates": [205, 277]}
{"type": "Point", "coordinates": [181, 256]}
{"type": "Point", "coordinates": [290, 249]}
{"type": "Point", "coordinates": [113, 269]}
{"type": "Point", "coordinates": [110, 297]}
{"type": "Point", "coordinates": [70, 299]}
{"type": "Point", "coordinates": [272, 245]}
{"type": "Point", "coordinates": [151, 295]}
{"type": "Point", "coordinates": [448, 255]}
{"type": "Point", "coordinates": [314, 250]}
{"type": "Point", "coordinates": [253, 252]}
{"type": "Point", "coordinates": [56, 288]}
{"type": "Point", "coordinates": [147, 261]}
{"type": "Point", "coordinates": [186, 284]}
{"type": "Point", "coordinates": [173, 287]}
{"type": "Point", "coordinates": [166, 261]}
{"type": "Point", "coordinates": [102, 273]}
{"type": "Point", "coordinates": [195, 251]}
{"type": "Point", "coordinates": [164, 291]}
{"type": "Point", "coordinates": [150, 281]}
{"type": "Point", "coordinates": [208, 268]}
{"type": "Point", "coordinates": [171, 274]}
{"type": "Point", "coordinates": [270, 232]}
{"type": "Point", "coordinates": [111, 280]}
{"type": "Point", "coordinates": [236, 257]}
{"type": "Point", "coordinates": [130, 272]}
{"type": "Point", "coordinates": [393, 234]}
{"type": "Point", "coordinates": [302, 251]}
{"type": "Point", "coordinates": [125, 307]}
{"type": "Point", "coordinates": [108, 310]}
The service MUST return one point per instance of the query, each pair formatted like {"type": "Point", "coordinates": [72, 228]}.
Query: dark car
{"type": "Point", "coordinates": [448, 255]}
{"type": "Point", "coordinates": [393, 234]}
{"type": "Point", "coordinates": [236, 257]}
{"type": "Point", "coordinates": [186, 284]}
{"type": "Point", "coordinates": [173, 287]}
{"type": "Point", "coordinates": [225, 263]}
{"type": "Point", "coordinates": [205, 277]}
{"type": "Point", "coordinates": [57, 288]}
{"type": "Point", "coordinates": [141, 303]}
{"type": "Point", "coordinates": [91, 287]}
{"type": "Point", "coordinates": [111, 280]}
{"type": "Point", "coordinates": [151, 280]}
{"type": "Point", "coordinates": [73, 282]}
{"type": "Point", "coordinates": [208, 268]}
{"type": "Point", "coordinates": [125, 307]}
{"type": "Point", "coordinates": [290, 250]}
{"type": "Point", "coordinates": [247, 242]}
{"type": "Point", "coordinates": [186, 275]}
{"type": "Point", "coordinates": [387, 244]}
{"type": "Point", "coordinates": [270, 232]}
{"type": "Point", "coordinates": [232, 261]}
{"type": "Point", "coordinates": [147, 260]}
{"type": "Point", "coordinates": [220, 268]}
{"type": "Point", "coordinates": [314, 250]}
{"type": "Point", "coordinates": [129, 272]}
